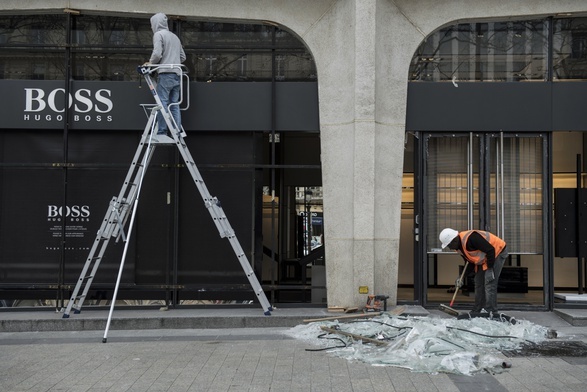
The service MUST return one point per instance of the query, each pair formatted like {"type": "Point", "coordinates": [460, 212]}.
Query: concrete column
{"type": "Point", "coordinates": [397, 40]}
{"type": "Point", "coordinates": [362, 129]}
{"type": "Point", "coordinates": [364, 150]}
{"type": "Point", "coordinates": [333, 45]}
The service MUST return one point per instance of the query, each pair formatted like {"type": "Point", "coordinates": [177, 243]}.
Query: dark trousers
{"type": "Point", "coordinates": [486, 294]}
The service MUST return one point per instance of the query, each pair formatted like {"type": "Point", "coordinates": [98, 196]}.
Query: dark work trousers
{"type": "Point", "coordinates": [486, 294]}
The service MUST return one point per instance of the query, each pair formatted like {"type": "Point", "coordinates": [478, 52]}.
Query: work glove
{"type": "Point", "coordinates": [458, 283]}
{"type": "Point", "coordinates": [489, 276]}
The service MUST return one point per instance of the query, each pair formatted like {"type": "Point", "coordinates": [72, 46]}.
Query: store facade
{"type": "Point", "coordinates": [251, 113]}
{"type": "Point", "coordinates": [341, 119]}
{"type": "Point", "coordinates": [500, 103]}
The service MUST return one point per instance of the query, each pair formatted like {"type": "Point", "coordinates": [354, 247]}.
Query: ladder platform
{"type": "Point", "coordinates": [162, 139]}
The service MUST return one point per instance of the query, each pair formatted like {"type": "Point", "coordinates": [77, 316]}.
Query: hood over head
{"type": "Point", "coordinates": [159, 22]}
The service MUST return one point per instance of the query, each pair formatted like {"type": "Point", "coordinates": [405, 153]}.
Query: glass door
{"type": "Point", "coordinates": [516, 200]}
{"type": "Point", "coordinates": [489, 182]}
{"type": "Point", "coordinates": [450, 197]}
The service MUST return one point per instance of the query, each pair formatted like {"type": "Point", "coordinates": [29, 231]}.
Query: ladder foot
{"type": "Point", "coordinates": [104, 340]}
{"type": "Point", "coordinates": [271, 308]}
{"type": "Point", "coordinates": [77, 311]}
{"type": "Point", "coordinates": [267, 313]}
{"type": "Point", "coordinates": [65, 316]}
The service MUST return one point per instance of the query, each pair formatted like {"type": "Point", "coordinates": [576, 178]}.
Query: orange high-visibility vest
{"type": "Point", "coordinates": [478, 257]}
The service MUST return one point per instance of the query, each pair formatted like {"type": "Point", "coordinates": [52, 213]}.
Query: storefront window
{"type": "Point", "coordinates": [489, 52]}
{"type": "Point", "coordinates": [31, 65]}
{"type": "Point", "coordinates": [510, 51]}
{"type": "Point", "coordinates": [226, 35]}
{"type": "Point", "coordinates": [110, 48]}
{"type": "Point", "coordinates": [43, 30]}
{"type": "Point", "coordinates": [570, 49]}
{"type": "Point", "coordinates": [217, 66]}
{"type": "Point", "coordinates": [106, 65]}
{"type": "Point", "coordinates": [21, 37]}
{"type": "Point", "coordinates": [108, 31]}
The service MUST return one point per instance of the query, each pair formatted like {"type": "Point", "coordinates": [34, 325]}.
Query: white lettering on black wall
{"type": "Point", "coordinates": [87, 105]}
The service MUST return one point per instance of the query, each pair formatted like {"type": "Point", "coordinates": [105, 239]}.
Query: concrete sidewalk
{"type": "Point", "coordinates": [221, 352]}
{"type": "Point", "coordinates": [125, 318]}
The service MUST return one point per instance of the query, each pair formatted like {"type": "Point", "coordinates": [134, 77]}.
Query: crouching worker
{"type": "Point", "coordinates": [488, 253]}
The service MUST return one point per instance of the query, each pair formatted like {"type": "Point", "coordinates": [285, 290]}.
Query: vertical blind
{"type": "Point", "coordinates": [514, 190]}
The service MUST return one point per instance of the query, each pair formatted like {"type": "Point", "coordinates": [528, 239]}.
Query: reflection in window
{"type": "Point", "coordinates": [111, 47]}
{"type": "Point", "coordinates": [491, 52]}
{"type": "Point", "coordinates": [298, 66]}
{"type": "Point", "coordinates": [32, 29]}
{"type": "Point", "coordinates": [107, 66]}
{"type": "Point", "coordinates": [116, 37]}
{"type": "Point", "coordinates": [78, 37]}
{"type": "Point", "coordinates": [30, 65]}
{"type": "Point", "coordinates": [37, 35]}
{"type": "Point", "coordinates": [570, 49]}
{"type": "Point", "coordinates": [279, 67]}
{"type": "Point", "coordinates": [210, 66]}
{"type": "Point", "coordinates": [38, 72]}
{"type": "Point", "coordinates": [108, 31]}
{"type": "Point", "coordinates": [309, 209]}
{"type": "Point", "coordinates": [118, 73]}
{"type": "Point", "coordinates": [253, 65]}
{"type": "Point", "coordinates": [226, 35]}
{"type": "Point", "coordinates": [241, 68]}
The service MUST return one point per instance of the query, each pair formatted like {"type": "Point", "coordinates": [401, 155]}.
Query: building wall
{"type": "Point", "coordinates": [362, 50]}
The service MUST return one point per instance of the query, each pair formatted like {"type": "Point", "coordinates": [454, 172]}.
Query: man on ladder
{"type": "Point", "coordinates": [124, 205]}
{"type": "Point", "coordinates": [167, 49]}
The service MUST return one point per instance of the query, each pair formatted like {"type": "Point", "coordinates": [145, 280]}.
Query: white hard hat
{"type": "Point", "coordinates": [446, 236]}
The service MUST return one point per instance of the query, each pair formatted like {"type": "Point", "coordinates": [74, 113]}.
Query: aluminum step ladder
{"type": "Point", "coordinates": [125, 204]}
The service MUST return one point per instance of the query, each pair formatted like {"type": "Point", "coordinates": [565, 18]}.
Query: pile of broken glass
{"type": "Point", "coordinates": [423, 344]}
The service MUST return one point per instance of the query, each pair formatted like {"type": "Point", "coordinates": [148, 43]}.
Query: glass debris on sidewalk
{"type": "Point", "coordinates": [423, 344]}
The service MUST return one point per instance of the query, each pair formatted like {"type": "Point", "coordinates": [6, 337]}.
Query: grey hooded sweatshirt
{"type": "Point", "coordinates": [167, 47]}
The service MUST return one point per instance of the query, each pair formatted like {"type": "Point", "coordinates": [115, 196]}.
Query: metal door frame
{"type": "Point", "coordinates": [421, 267]}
